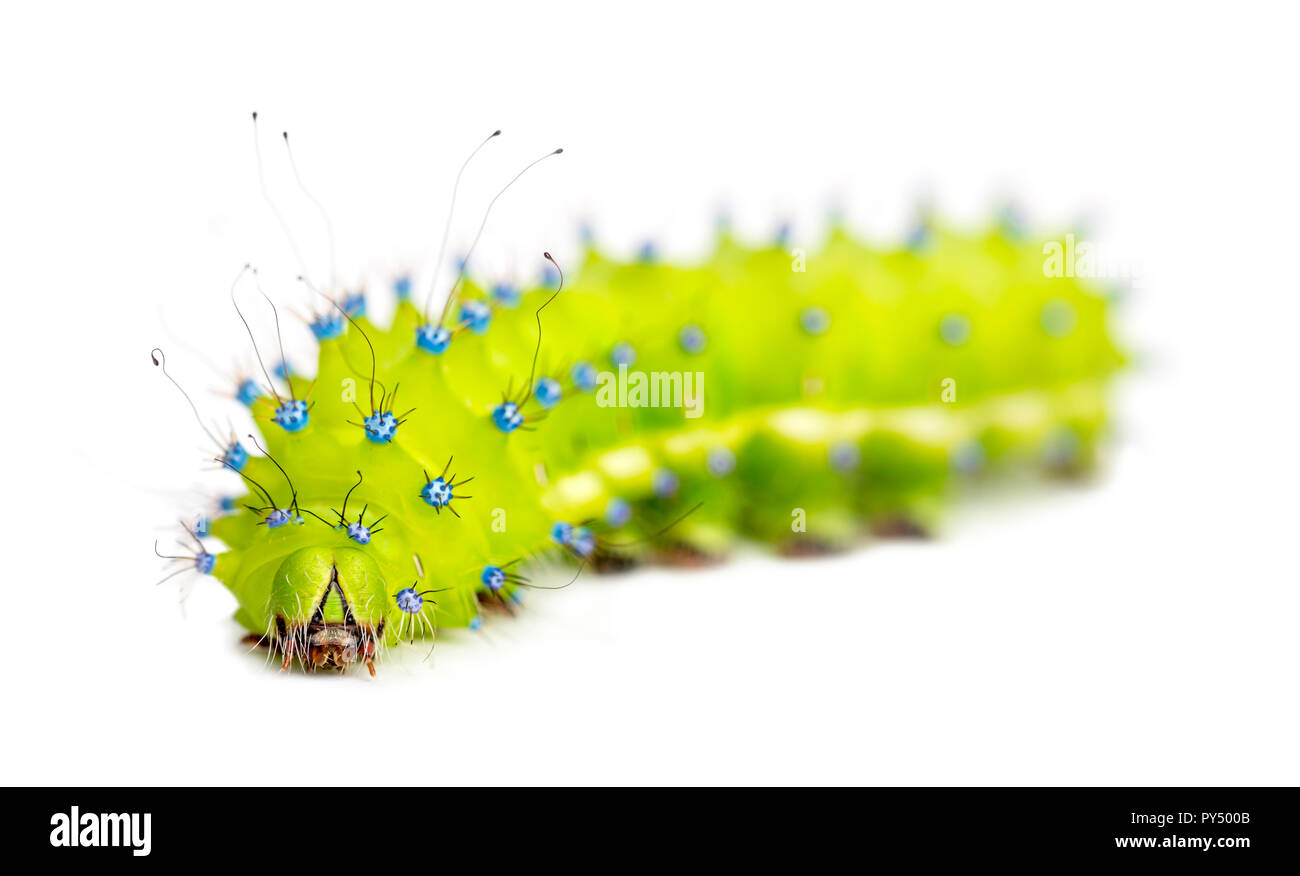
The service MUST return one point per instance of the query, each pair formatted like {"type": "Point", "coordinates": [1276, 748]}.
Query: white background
{"type": "Point", "coordinates": [1140, 630]}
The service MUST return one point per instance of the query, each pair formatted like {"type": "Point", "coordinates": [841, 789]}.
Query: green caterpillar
{"type": "Point", "coordinates": [646, 411]}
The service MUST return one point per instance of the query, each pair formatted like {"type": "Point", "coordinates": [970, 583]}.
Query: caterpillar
{"type": "Point", "coordinates": [635, 410]}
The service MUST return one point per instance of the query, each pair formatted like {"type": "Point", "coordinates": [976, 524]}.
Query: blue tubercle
{"type": "Point", "coordinates": [248, 392]}
{"type": "Point", "coordinates": [968, 457]}
{"type": "Point", "coordinates": [202, 526]}
{"type": "Point", "coordinates": [354, 304]}
{"type": "Point", "coordinates": [648, 253]}
{"type": "Point", "coordinates": [476, 623]}
{"type": "Point", "coordinates": [618, 511]}
{"type": "Point", "coordinates": [205, 562]}
{"type": "Point", "coordinates": [291, 415]}
{"type": "Point", "coordinates": [359, 533]}
{"type": "Point", "coordinates": [282, 370]}
{"type": "Point", "coordinates": [583, 542]}
{"type": "Point", "coordinates": [477, 315]}
{"type": "Point", "coordinates": [720, 461]}
{"type": "Point", "coordinates": [437, 493]}
{"type": "Point", "coordinates": [623, 354]}
{"type": "Point", "coordinates": [402, 287]}
{"type": "Point", "coordinates": [228, 503]}
{"type": "Point", "coordinates": [327, 326]}
{"type": "Point", "coordinates": [506, 295]}
{"type": "Point", "coordinates": [493, 577]}
{"type": "Point", "coordinates": [692, 339]}
{"type": "Point", "coordinates": [814, 320]}
{"type": "Point", "coordinates": [433, 339]}
{"type": "Point", "coordinates": [666, 483]}
{"type": "Point", "coordinates": [584, 376]}
{"type": "Point", "coordinates": [548, 392]}
{"type": "Point", "coordinates": [561, 532]}
{"type": "Point", "coordinates": [578, 539]}
{"type": "Point", "coordinates": [1058, 318]}
{"type": "Point", "coordinates": [278, 517]}
{"type": "Point", "coordinates": [507, 417]}
{"type": "Point", "coordinates": [955, 329]}
{"type": "Point", "coordinates": [235, 457]}
{"type": "Point", "coordinates": [409, 601]}
{"type": "Point", "coordinates": [919, 238]}
{"type": "Point", "coordinates": [844, 457]}
{"type": "Point", "coordinates": [380, 426]}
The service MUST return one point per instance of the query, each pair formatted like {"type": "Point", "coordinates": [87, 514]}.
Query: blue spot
{"type": "Point", "coordinates": [584, 376]}
{"type": "Point", "coordinates": [477, 315]}
{"type": "Point", "coordinates": [507, 417]}
{"type": "Point", "coordinates": [548, 392]}
{"type": "Point", "coordinates": [506, 294]}
{"type": "Point", "coordinates": [202, 526]}
{"type": "Point", "coordinates": [666, 483]}
{"type": "Point", "coordinates": [493, 577]}
{"type": "Point", "coordinates": [549, 277]}
{"type": "Point", "coordinates": [291, 415]}
{"type": "Point", "coordinates": [235, 457]}
{"type": "Point", "coordinates": [1012, 222]}
{"type": "Point", "coordinates": [277, 518]}
{"type": "Point", "coordinates": [783, 234]}
{"type": "Point", "coordinates": [919, 238]}
{"type": "Point", "coordinates": [648, 253]}
{"type": "Point", "coordinates": [476, 623]}
{"type": "Point", "coordinates": [248, 392]}
{"type": "Point", "coordinates": [1058, 318]}
{"type": "Point", "coordinates": [205, 562]}
{"type": "Point", "coordinates": [692, 339]}
{"type": "Point", "coordinates": [967, 457]}
{"type": "Point", "coordinates": [402, 287]}
{"type": "Point", "coordinates": [582, 542]}
{"type": "Point", "coordinates": [358, 533]}
{"type": "Point", "coordinates": [1062, 448]}
{"type": "Point", "coordinates": [433, 339]}
{"type": "Point", "coordinates": [229, 503]}
{"type": "Point", "coordinates": [409, 601]}
{"type": "Point", "coordinates": [720, 462]}
{"type": "Point", "coordinates": [618, 512]}
{"type": "Point", "coordinates": [814, 320]}
{"type": "Point", "coordinates": [437, 493]}
{"type": "Point", "coordinates": [282, 369]}
{"type": "Point", "coordinates": [380, 427]}
{"type": "Point", "coordinates": [561, 532]}
{"type": "Point", "coordinates": [327, 326]}
{"type": "Point", "coordinates": [623, 354]}
{"type": "Point", "coordinates": [954, 329]}
{"type": "Point", "coordinates": [844, 456]}
{"type": "Point", "coordinates": [354, 305]}
{"type": "Point", "coordinates": [578, 539]}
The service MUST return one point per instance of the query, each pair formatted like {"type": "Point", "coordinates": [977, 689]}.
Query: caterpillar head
{"type": "Point", "coordinates": [328, 605]}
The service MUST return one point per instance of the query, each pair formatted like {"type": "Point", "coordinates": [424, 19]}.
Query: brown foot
{"type": "Point", "coordinates": [607, 562]}
{"type": "Point", "coordinates": [804, 546]}
{"type": "Point", "coordinates": [684, 556]}
{"type": "Point", "coordinates": [898, 527]}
